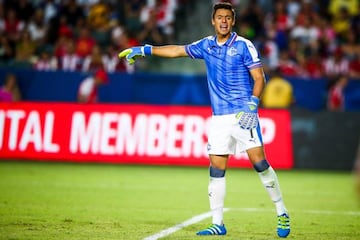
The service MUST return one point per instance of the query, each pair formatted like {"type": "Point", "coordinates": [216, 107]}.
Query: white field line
{"type": "Point", "coordinates": [203, 216]}
{"type": "Point", "coordinates": [180, 226]}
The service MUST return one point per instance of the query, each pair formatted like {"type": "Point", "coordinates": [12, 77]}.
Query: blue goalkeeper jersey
{"type": "Point", "coordinates": [229, 80]}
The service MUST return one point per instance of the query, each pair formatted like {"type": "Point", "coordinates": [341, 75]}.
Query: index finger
{"type": "Point", "coordinates": [124, 53]}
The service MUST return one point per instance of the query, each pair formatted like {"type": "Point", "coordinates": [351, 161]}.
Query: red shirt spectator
{"type": "Point", "coordinates": [70, 61]}
{"type": "Point", "coordinates": [336, 64]}
{"type": "Point", "coordinates": [88, 90]}
{"type": "Point", "coordinates": [312, 66]}
{"type": "Point", "coordinates": [12, 26]}
{"type": "Point", "coordinates": [336, 95]}
{"type": "Point", "coordinates": [84, 43]}
{"type": "Point", "coordinates": [354, 67]}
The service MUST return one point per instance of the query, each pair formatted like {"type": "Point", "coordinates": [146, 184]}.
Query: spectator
{"type": "Point", "coordinates": [336, 64]}
{"type": "Point", "coordinates": [335, 101]}
{"type": "Point", "coordinates": [126, 40]}
{"type": "Point", "coordinates": [72, 12]}
{"type": "Point", "coordinates": [70, 61]}
{"type": "Point", "coordinates": [99, 17]}
{"type": "Point", "coordinates": [94, 60]}
{"type": "Point", "coordinates": [84, 43]}
{"type": "Point", "coordinates": [38, 28]}
{"type": "Point", "coordinates": [278, 92]}
{"type": "Point", "coordinates": [293, 8]}
{"type": "Point", "coordinates": [306, 31]}
{"type": "Point", "coordinates": [350, 46]}
{"type": "Point", "coordinates": [25, 10]}
{"type": "Point", "coordinates": [287, 66]}
{"type": "Point", "coordinates": [279, 22]}
{"type": "Point", "coordinates": [12, 26]}
{"type": "Point", "coordinates": [150, 32]}
{"type": "Point", "coordinates": [165, 15]}
{"type": "Point", "coordinates": [336, 6]}
{"type": "Point", "coordinates": [311, 65]}
{"type": "Point", "coordinates": [251, 18]}
{"type": "Point", "coordinates": [116, 33]}
{"type": "Point", "coordinates": [99, 23]}
{"type": "Point", "coordinates": [132, 12]}
{"type": "Point", "coordinates": [270, 51]}
{"type": "Point", "coordinates": [88, 89]}
{"type": "Point", "coordinates": [51, 10]}
{"type": "Point", "coordinates": [6, 51]}
{"type": "Point", "coordinates": [114, 64]}
{"type": "Point", "coordinates": [327, 36]}
{"type": "Point", "coordinates": [46, 61]}
{"type": "Point", "coordinates": [342, 22]}
{"type": "Point", "coordinates": [354, 67]}
{"type": "Point", "coordinates": [9, 92]}
{"type": "Point", "coordinates": [25, 48]}
{"type": "Point", "coordinates": [86, 5]}
{"type": "Point", "coordinates": [61, 45]}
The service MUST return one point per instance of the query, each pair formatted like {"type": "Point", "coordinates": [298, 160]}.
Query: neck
{"type": "Point", "coordinates": [223, 38]}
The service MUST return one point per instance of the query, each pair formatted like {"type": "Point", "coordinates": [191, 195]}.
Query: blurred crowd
{"type": "Point", "coordinates": [303, 38]}
{"type": "Point", "coordinates": [308, 39]}
{"type": "Point", "coordinates": [81, 35]}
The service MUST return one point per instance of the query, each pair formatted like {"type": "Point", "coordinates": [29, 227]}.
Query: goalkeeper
{"type": "Point", "coordinates": [236, 81]}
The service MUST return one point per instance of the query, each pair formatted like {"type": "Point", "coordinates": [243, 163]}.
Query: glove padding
{"type": "Point", "coordinates": [131, 54]}
{"type": "Point", "coordinates": [248, 118]}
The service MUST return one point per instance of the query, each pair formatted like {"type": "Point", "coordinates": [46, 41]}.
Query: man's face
{"type": "Point", "coordinates": [223, 22]}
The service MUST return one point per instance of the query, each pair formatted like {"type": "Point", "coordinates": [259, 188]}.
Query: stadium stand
{"type": "Point", "coordinates": [306, 40]}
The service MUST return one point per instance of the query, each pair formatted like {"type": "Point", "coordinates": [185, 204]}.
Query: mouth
{"type": "Point", "coordinates": [224, 27]}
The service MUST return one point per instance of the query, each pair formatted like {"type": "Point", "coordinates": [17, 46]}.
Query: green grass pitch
{"type": "Point", "coordinates": [41, 200]}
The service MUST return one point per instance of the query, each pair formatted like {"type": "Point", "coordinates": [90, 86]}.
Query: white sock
{"type": "Point", "coordinates": [272, 186]}
{"type": "Point", "coordinates": [217, 190]}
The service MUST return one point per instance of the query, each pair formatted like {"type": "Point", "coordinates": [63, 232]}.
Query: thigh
{"type": "Point", "coordinates": [256, 154]}
{"type": "Point", "coordinates": [247, 139]}
{"type": "Point", "coordinates": [220, 140]}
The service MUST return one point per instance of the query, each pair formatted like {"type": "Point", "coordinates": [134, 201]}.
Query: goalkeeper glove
{"type": "Point", "coordinates": [131, 54]}
{"type": "Point", "coordinates": [248, 118]}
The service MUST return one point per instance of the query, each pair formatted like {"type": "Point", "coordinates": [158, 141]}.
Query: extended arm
{"type": "Point", "coordinates": [169, 51]}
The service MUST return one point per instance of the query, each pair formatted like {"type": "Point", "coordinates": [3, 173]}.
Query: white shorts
{"type": "Point", "coordinates": [225, 135]}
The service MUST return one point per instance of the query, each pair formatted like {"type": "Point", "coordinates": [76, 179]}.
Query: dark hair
{"type": "Point", "coordinates": [223, 5]}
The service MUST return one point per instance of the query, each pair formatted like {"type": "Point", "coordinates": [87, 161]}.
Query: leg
{"type": "Point", "coordinates": [216, 193]}
{"type": "Point", "coordinates": [217, 186]}
{"type": "Point", "coordinates": [220, 145]}
{"type": "Point", "coordinates": [270, 181]}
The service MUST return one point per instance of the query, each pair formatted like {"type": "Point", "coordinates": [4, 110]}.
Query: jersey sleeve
{"type": "Point", "coordinates": [251, 56]}
{"type": "Point", "coordinates": [195, 50]}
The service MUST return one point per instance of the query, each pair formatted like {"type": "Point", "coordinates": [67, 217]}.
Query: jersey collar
{"type": "Point", "coordinates": [230, 41]}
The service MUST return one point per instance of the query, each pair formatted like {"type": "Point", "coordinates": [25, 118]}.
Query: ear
{"type": "Point", "coordinates": [212, 22]}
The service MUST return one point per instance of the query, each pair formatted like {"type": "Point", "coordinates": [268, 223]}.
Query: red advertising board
{"type": "Point", "coordinates": [126, 133]}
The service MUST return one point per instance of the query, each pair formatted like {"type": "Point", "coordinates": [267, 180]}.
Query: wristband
{"type": "Point", "coordinates": [147, 50]}
{"type": "Point", "coordinates": [255, 99]}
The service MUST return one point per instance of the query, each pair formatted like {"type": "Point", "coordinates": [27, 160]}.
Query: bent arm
{"type": "Point", "coordinates": [259, 81]}
{"type": "Point", "coordinates": [169, 51]}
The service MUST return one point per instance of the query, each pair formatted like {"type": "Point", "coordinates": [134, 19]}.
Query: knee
{"type": "Point", "coordinates": [216, 172]}
{"type": "Point", "coordinates": [261, 166]}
